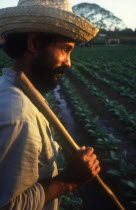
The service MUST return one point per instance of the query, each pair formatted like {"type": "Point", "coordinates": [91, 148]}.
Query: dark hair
{"type": "Point", "coordinates": [16, 43]}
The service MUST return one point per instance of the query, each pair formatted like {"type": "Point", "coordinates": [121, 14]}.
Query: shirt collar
{"type": "Point", "coordinates": [9, 74]}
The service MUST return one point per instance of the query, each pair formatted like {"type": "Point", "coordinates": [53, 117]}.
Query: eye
{"type": "Point", "coordinates": [65, 49]}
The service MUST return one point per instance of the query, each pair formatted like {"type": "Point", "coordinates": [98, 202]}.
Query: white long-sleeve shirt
{"type": "Point", "coordinates": [27, 149]}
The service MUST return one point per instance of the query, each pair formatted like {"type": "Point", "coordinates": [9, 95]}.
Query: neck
{"type": "Point", "coordinates": [23, 64]}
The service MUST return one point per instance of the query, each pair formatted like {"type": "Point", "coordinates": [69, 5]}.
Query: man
{"type": "Point", "coordinates": [39, 35]}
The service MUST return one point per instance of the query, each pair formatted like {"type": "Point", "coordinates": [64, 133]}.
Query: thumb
{"type": "Point", "coordinates": [82, 148]}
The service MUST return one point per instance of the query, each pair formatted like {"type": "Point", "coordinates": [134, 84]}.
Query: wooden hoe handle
{"type": "Point", "coordinates": [38, 100]}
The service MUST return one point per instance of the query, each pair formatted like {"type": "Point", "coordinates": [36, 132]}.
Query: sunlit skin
{"type": "Point", "coordinates": [50, 64]}
{"type": "Point", "coordinates": [44, 68]}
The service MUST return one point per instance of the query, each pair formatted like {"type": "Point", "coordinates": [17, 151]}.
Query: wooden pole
{"type": "Point", "coordinates": [38, 100]}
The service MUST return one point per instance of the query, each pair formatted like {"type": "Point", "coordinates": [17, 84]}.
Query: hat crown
{"type": "Point", "coordinates": [47, 16]}
{"type": "Point", "coordinates": [60, 4]}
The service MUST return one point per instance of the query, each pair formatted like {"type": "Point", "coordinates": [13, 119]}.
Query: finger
{"type": "Point", "coordinates": [92, 159]}
{"type": "Point", "coordinates": [82, 148]}
{"type": "Point", "coordinates": [92, 163]}
{"type": "Point", "coordinates": [89, 151]}
{"type": "Point", "coordinates": [95, 164]}
{"type": "Point", "coordinates": [86, 154]}
{"type": "Point", "coordinates": [97, 170]}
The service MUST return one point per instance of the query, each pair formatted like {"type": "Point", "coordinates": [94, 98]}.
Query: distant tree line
{"type": "Point", "coordinates": [128, 32]}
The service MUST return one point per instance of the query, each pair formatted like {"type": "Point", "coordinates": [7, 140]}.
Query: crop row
{"type": "Point", "coordinates": [84, 117]}
{"type": "Point", "coordinates": [128, 118]}
{"type": "Point", "coordinates": [123, 91]}
{"type": "Point", "coordinates": [121, 61]}
{"type": "Point", "coordinates": [106, 70]}
{"type": "Point", "coordinates": [117, 68]}
{"type": "Point", "coordinates": [117, 63]}
{"type": "Point", "coordinates": [120, 78]}
{"type": "Point", "coordinates": [107, 142]}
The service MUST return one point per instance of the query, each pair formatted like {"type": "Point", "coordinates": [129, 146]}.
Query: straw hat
{"type": "Point", "coordinates": [52, 16]}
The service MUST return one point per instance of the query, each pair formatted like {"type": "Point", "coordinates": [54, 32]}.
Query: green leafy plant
{"type": "Point", "coordinates": [70, 202]}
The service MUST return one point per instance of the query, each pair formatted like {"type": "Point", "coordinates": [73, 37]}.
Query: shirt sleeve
{"type": "Point", "coordinates": [20, 146]}
{"type": "Point", "coordinates": [31, 199]}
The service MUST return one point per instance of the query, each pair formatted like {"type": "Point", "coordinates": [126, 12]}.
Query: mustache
{"type": "Point", "coordinates": [61, 70]}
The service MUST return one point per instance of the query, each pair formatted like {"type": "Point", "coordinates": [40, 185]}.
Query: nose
{"type": "Point", "coordinates": [67, 61]}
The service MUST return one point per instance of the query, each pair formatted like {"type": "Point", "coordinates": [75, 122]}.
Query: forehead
{"type": "Point", "coordinates": [68, 43]}
{"type": "Point", "coordinates": [63, 43]}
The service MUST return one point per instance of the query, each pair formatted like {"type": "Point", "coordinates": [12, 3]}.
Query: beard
{"type": "Point", "coordinates": [43, 76]}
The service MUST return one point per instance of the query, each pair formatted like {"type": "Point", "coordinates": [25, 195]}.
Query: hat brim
{"type": "Point", "coordinates": [46, 19]}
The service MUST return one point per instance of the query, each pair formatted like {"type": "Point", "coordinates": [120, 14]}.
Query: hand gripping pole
{"type": "Point", "coordinates": [38, 100]}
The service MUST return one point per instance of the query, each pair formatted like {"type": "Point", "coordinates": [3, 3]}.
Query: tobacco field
{"type": "Point", "coordinates": [100, 94]}
{"type": "Point", "coordinates": [100, 90]}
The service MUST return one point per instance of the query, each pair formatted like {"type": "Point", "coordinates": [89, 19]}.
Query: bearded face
{"type": "Point", "coordinates": [50, 64]}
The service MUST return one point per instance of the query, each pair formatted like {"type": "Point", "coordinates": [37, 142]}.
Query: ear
{"type": "Point", "coordinates": [32, 43]}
